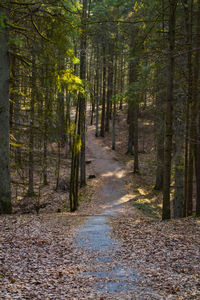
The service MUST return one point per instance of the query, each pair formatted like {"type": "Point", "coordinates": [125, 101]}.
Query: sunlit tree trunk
{"type": "Point", "coordinates": [82, 99]}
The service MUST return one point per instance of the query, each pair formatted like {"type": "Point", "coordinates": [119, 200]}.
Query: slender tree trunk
{"type": "Point", "coordinates": [130, 127]}
{"type": "Point", "coordinates": [192, 141]}
{"type": "Point", "coordinates": [93, 108]}
{"type": "Point", "coordinates": [188, 25]}
{"type": "Point", "coordinates": [62, 117]}
{"type": "Point", "coordinates": [5, 191]}
{"type": "Point", "coordinates": [179, 125]}
{"type": "Point", "coordinates": [169, 113]}
{"type": "Point", "coordinates": [198, 169]}
{"type": "Point", "coordinates": [58, 163]}
{"type": "Point", "coordinates": [131, 105]}
{"type": "Point", "coordinates": [135, 134]}
{"type": "Point", "coordinates": [73, 196]}
{"type": "Point", "coordinates": [110, 89]}
{"type": "Point", "coordinates": [121, 80]}
{"type": "Point", "coordinates": [30, 192]}
{"type": "Point", "coordinates": [68, 124]}
{"type": "Point", "coordinates": [45, 133]}
{"type": "Point", "coordinates": [17, 118]}
{"type": "Point", "coordinates": [195, 109]}
{"type": "Point", "coordinates": [102, 132]}
{"type": "Point", "coordinates": [114, 107]}
{"type": "Point", "coordinates": [159, 141]}
{"type": "Point", "coordinates": [159, 120]}
{"type": "Point", "coordinates": [82, 99]}
{"type": "Point", "coordinates": [97, 94]}
{"type": "Point", "coordinates": [178, 201]}
{"type": "Point", "coordinates": [13, 88]}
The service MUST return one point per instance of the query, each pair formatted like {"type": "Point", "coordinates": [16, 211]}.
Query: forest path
{"type": "Point", "coordinates": [105, 250]}
{"type": "Point", "coordinates": [111, 175]}
{"type": "Point", "coordinates": [109, 275]}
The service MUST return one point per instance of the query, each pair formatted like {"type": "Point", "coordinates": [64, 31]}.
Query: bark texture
{"type": "Point", "coordinates": [166, 214]}
{"type": "Point", "coordinates": [5, 193]}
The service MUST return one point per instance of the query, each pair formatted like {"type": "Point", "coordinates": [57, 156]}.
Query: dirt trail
{"type": "Point", "coordinates": [111, 277]}
{"type": "Point", "coordinates": [112, 175]}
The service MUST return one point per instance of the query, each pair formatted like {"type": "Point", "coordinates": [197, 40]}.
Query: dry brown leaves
{"type": "Point", "coordinates": [165, 253]}
{"type": "Point", "coordinates": [38, 259]}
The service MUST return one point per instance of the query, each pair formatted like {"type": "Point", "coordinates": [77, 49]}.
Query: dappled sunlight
{"type": "Point", "coordinates": [148, 123]}
{"type": "Point", "coordinates": [108, 174]}
{"type": "Point", "coordinates": [119, 173]}
{"type": "Point", "coordinates": [142, 191]}
{"type": "Point", "coordinates": [144, 200]}
{"type": "Point", "coordinates": [117, 204]}
{"type": "Point", "coordinates": [126, 198]}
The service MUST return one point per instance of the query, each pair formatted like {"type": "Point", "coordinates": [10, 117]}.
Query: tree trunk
{"type": "Point", "coordinates": [5, 192]}
{"type": "Point", "coordinates": [102, 132]}
{"type": "Point", "coordinates": [62, 117]}
{"type": "Point", "coordinates": [97, 94]}
{"type": "Point", "coordinates": [188, 27]}
{"type": "Point", "coordinates": [114, 107]}
{"type": "Point", "coordinates": [192, 134]}
{"type": "Point", "coordinates": [179, 125]}
{"type": "Point", "coordinates": [110, 88]}
{"type": "Point", "coordinates": [45, 133]}
{"type": "Point", "coordinates": [17, 118]}
{"type": "Point", "coordinates": [159, 120]}
{"type": "Point", "coordinates": [130, 127]}
{"type": "Point", "coordinates": [195, 108]}
{"type": "Point", "coordinates": [131, 105]}
{"type": "Point", "coordinates": [135, 134]}
{"type": "Point", "coordinates": [159, 141]}
{"type": "Point", "coordinates": [121, 80]}
{"type": "Point", "coordinates": [198, 169]}
{"type": "Point", "coordinates": [169, 114]}
{"type": "Point", "coordinates": [30, 192]}
{"type": "Point", "coordinates": [73, 195]}
{"type": "Point", "coordinates": [82, 99]}
{"type": "Point", "coordinates": [178, 201]}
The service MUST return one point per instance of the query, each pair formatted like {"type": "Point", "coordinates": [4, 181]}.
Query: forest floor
{"type": "Point", "coordinates": [114, 247]}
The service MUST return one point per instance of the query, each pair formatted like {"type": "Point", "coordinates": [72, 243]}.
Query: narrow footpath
{"type": "Point", "coordinates": [109, 275]}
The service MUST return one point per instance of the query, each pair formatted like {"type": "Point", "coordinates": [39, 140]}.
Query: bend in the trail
{"type": "Point", "coordinates": [111, 192]}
